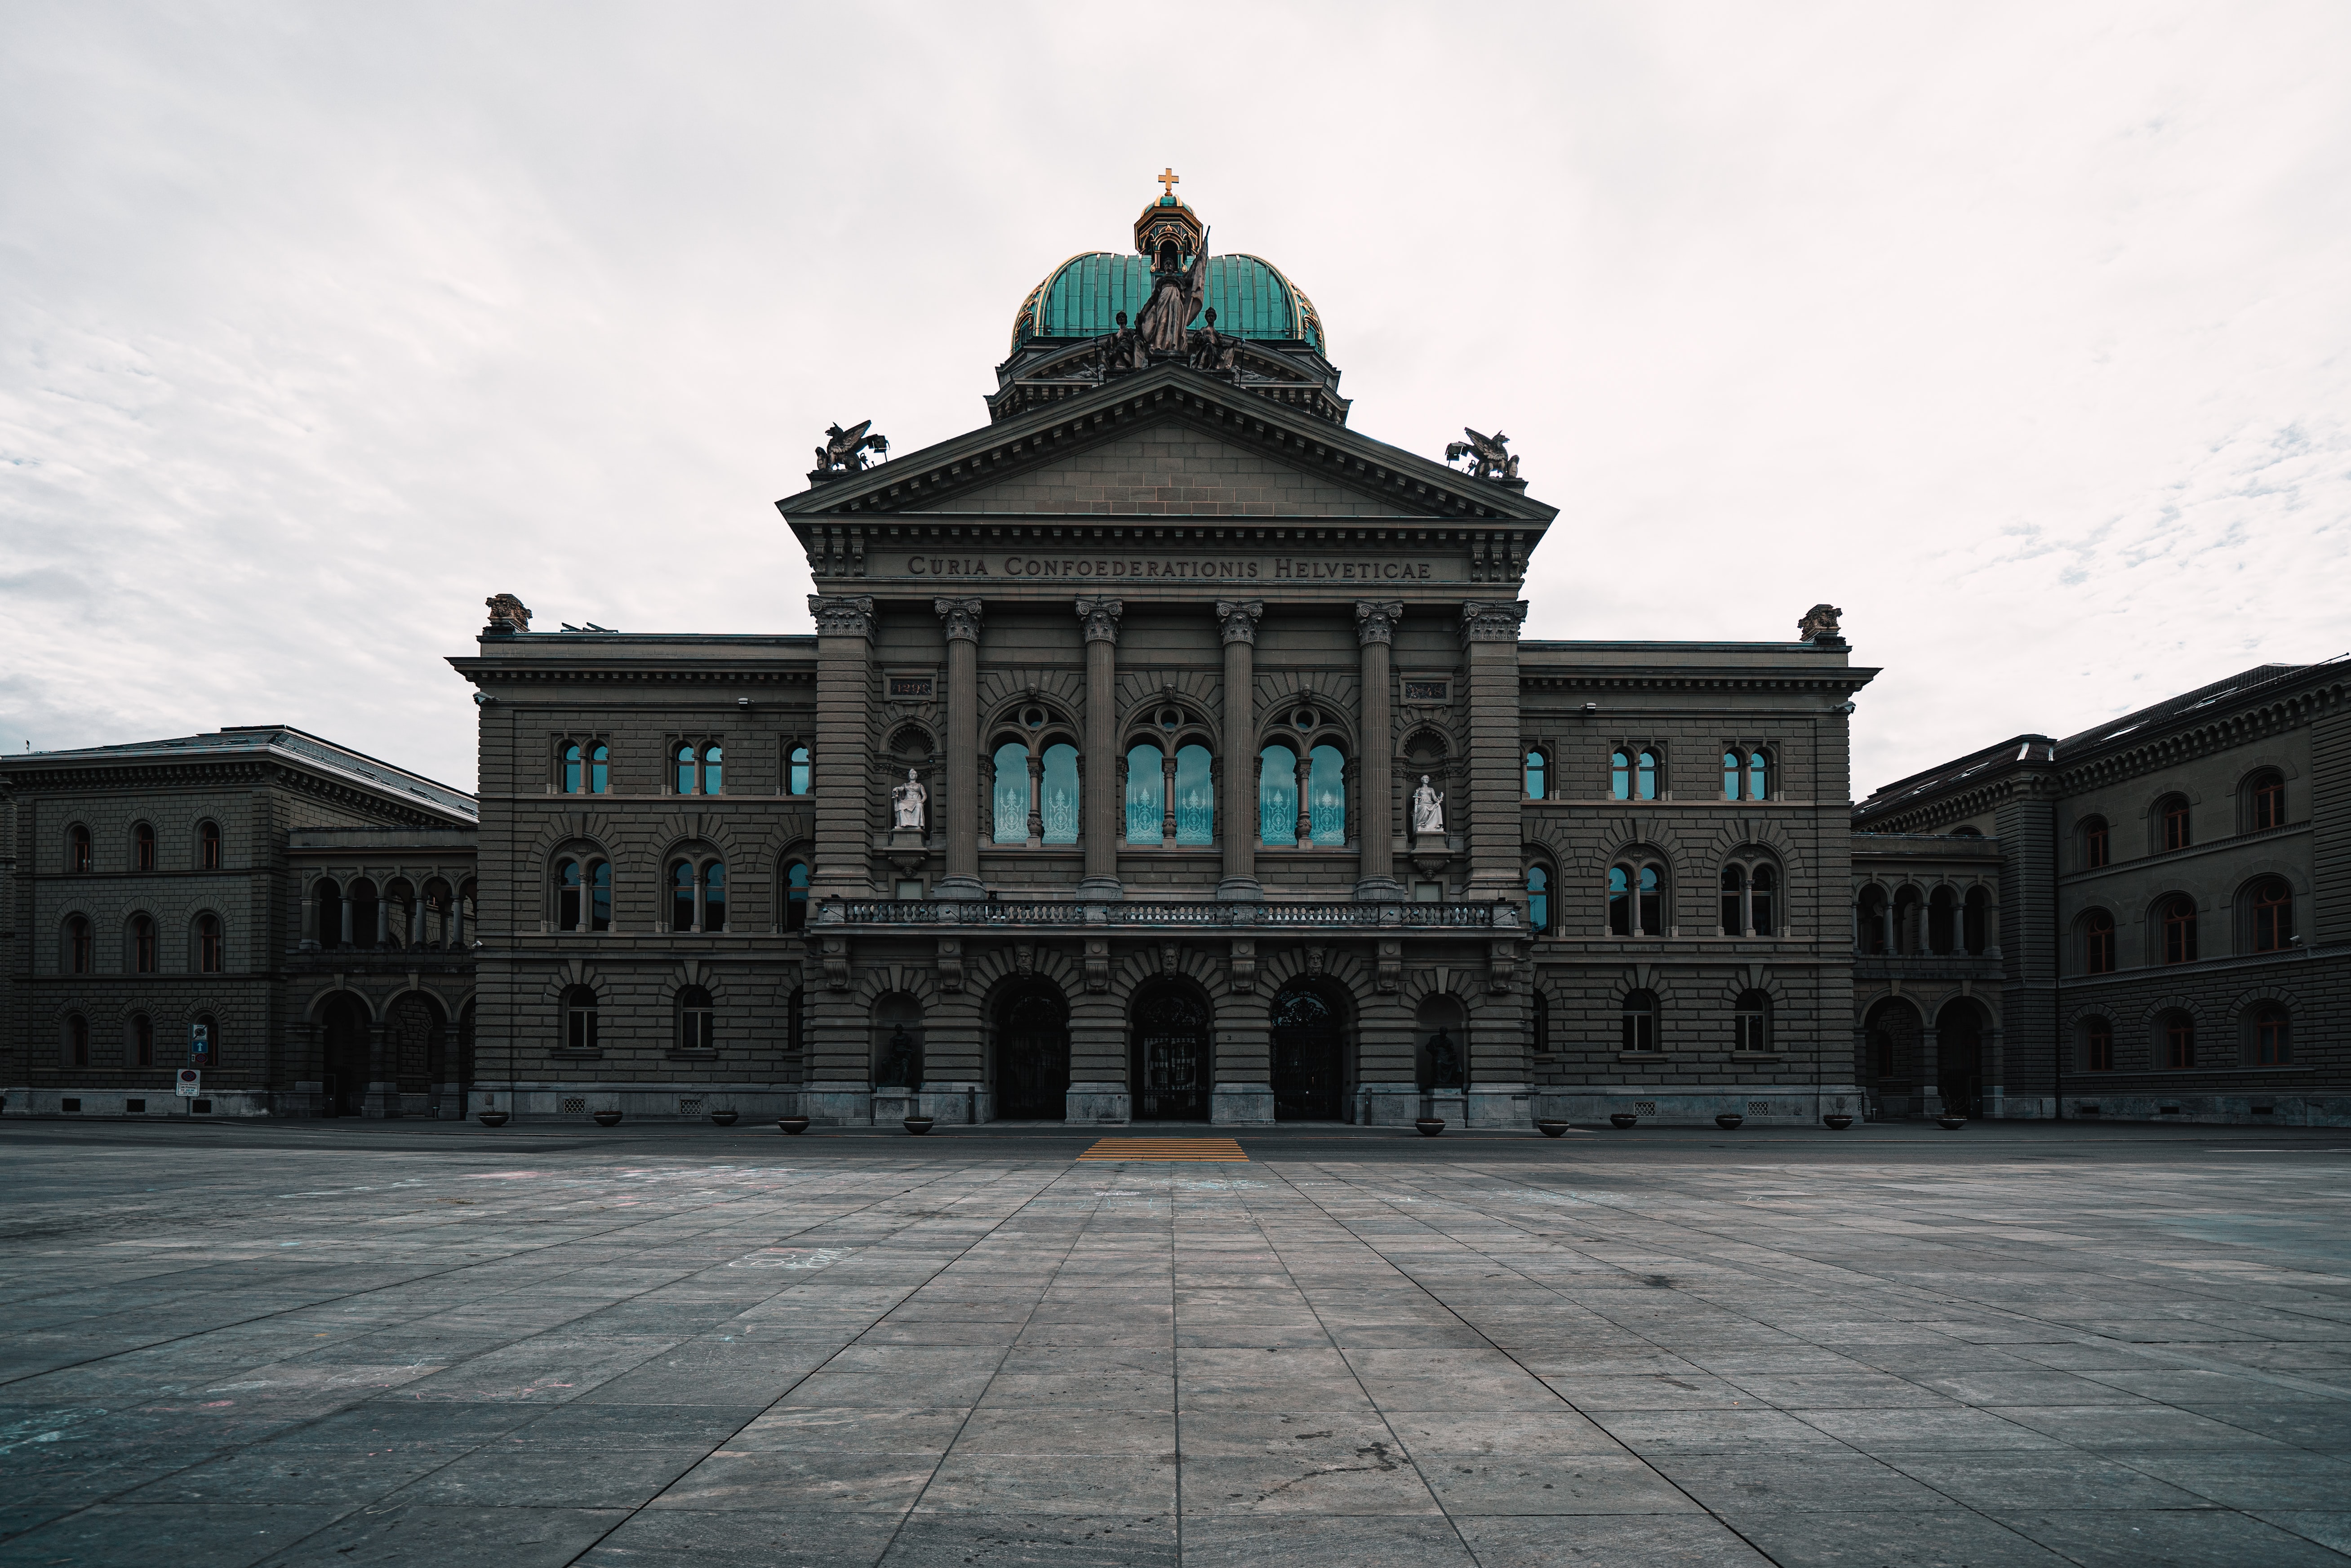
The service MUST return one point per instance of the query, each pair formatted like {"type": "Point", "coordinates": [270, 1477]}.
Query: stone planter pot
{"type": "Point", "coordinates": [1620, 1119]}
{"type": "Point", "coordinates": [1839, 1123]}
{"type": "Point", "coordinates": [1429, 1126]}
{"type": "Point", "coordinates": [608, 1118]}
{"type": "Point", "coordinates": [1950, 1124]}
{"type": "Point", "coordinates": [793, 1124]}
{"type": "Point", "coordinates": [1550, 1129]}
{"type": "Point", "coordinates": [493, 1118]}
{"type": "Point", "coordinates": [724, 1118]}
{"type": "Point", "coordinates": [918, 1125]}
{"type": "Point", "coordinates": [1729, 1121]}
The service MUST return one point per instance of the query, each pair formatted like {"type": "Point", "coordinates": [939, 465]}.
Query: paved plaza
{"type": "Point", "coordinates": [334, 1343]}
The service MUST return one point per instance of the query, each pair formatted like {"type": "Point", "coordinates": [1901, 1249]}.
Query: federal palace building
{"type": "Point", "coordinates": [1167, 749]}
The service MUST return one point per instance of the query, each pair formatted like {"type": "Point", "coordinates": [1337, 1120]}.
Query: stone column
{"type": "Point", "coordinates": [1489, 645]}
{"type": "Point", "coordinates": [1375, 883]}
{"type": "Point", "coordinates": [310, 915]}
{"type": "Point", "coordinates": [960, 617]}
{"type": "Point", "coordinates": [1238, 619]}
{"type": "Point", "coordinates": [844, 681]}
{"type": "Point", "coordinates": [1099, 800]}
{"type": "Point", "coordinates": [1167, 795]}
{"type": "Point", "coordinates": [1304, 770]}
{"type": "Point", "coordinates": [345, 905]}
{"type": "Point", "coordinates": [1036, 800]}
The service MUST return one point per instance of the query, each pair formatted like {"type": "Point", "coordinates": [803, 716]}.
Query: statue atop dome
{"type": "Point", "coordinates": [1177, 246]}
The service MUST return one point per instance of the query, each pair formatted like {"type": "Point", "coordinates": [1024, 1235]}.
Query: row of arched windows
{"type": "Point", "coordinates": [1637, 773]}
{"type": "Point", "coordinates": [2265, 924]}
{"type": "Point", "coordinates": [2268, 1041]}
{"type": "Point", "coordinates": [694, 886]}
{"type": "Point", "coordinates": [2261, 805]}
{"type": "Point", "coordinates": [138, 1041]}
{"type": "Point", "coordinates": [1036, 793]}
{"type": "Point", "coordinates": [1908, 922]}
{"type": "Point", "coordinates": [584, 767]}
{"type": "Point", "coordinates": [400, 913]}
{"type": "Point", "coordinates": [142, 949]}
{"type": "Point", "coordinates": [1639, 899]}
{"type": "Point", "coordinates": [82, 849]}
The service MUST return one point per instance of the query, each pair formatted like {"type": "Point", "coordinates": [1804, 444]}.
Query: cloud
{"type": "Point", "coordinates": [2018, 331]}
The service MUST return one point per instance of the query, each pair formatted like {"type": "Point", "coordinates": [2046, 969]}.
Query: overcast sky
{"type": "Point", "coordinates": [2017, 331]}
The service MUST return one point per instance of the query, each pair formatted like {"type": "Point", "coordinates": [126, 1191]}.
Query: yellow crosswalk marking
{"type": "Point", "coordinates": [1215, 1149]}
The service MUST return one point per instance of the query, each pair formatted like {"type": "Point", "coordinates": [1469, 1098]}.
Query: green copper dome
{"type": "Point", "coordinates": [1083, 297]}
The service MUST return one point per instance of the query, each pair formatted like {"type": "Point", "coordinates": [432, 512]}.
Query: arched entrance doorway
{"type": "Point", "coordinates": [1890, 1057]}
{"type": "Point", "coordinates": [1959, 1058]}
{"type": "Point", "coordinates": [1309, 1053]}
{"type": "Point", "coordinates": [1172, 1058]}
{"type": "Point", "coordinates": [1033, 1053]}
{"type": "Point", "coordinates": [343, 1029]}
{"type": "Point", "coordinates": [413, 1044]}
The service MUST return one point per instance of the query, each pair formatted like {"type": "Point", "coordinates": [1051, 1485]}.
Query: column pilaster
{"type": "Point", "coordinates": [1375, 882]}
{"type": "Point", "coordinates": [1099, 797]}
{"type": "Point", "coordinates": [1238, 619]}
{"type": "Point", "coordinates": [960, 617]}
{"type": "Point", "coordinates": [844, 640]}
{"type": "Point", "coordinates": [1490, 643]}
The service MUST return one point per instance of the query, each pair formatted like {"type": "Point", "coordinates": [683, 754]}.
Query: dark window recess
{"type": "Point", "coordinates": [134, 1107]}
{"type": "Point", "coordinates": [2166, 1110]}
{"type": "Point", "coordinates": [201, 1107]}
{"type": "Point", "coordinates": [69, 1104]}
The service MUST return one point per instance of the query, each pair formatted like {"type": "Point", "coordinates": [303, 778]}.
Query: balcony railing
{"type": "Point", "coordinates": [1197, 913]}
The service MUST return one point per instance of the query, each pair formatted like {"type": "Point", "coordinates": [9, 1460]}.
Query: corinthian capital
{"type": "Point", "coordinates": [959, 616]}
{"type": "Point", "coordinates": [841, 614]}
{"type": "Point", "coordinates": [1238, 618]}
{"type": "Point", "coordinates": [1101, 616]}
{"type": "Point", "coordinates": [1491, 620]}
{"type": "Point", "coordinates": [1375, 620]}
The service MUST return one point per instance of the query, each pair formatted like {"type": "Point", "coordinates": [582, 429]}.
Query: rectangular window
{"type": "Point", "coordinates": [2097, 1046]}
{"type": "Point", "coordinates": [2174, 825]}
{"type": "Point", "coordinates": [2270, 1046]}
{"type": "Point", "coordinates": [2094, 845]}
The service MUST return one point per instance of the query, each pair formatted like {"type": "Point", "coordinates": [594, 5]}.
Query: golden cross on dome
{"type": "Point", "coordinates": [1168, 180]}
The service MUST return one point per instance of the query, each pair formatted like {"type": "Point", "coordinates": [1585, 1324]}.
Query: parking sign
{"type": "Point", "coordinates": [190, 1085]}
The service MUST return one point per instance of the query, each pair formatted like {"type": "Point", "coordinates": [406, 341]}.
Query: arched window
{"type": "Point", "coordinates": [1538, 899]}
{"type": "Point", "coordinates": [1146, 793]}
{"type": "Point", "coordinates": [2265, 800]}
{"type": "Point", "coordinates": [1871, 923]}
{"type": "Point", "coordinates": [142, 945]}
{"type": "Point", "coordinates": [142, 1040]}
{"type": "Point", "coordinates": [1943, 921]}
{"type": "Point", "coordinates": [697, 895]}
{"type": "Point", "coordinates": [77, 1040]}
{"type": "Point", "coordinates": [2273, 909]}
{"type": "Point", "coordinates": [1638, 1016]}
{"type": "Point", "coordinates": [208, 846]}
{"type": "Point", "coordinates": [1753, 1022]}
{"type": "Point", "coordinates": [711, 769]}
{"type": "Point", "coordinates": [796, 895]}
{"type": "Point", "coordinates": [2178, 918]}
{"type": "Point", "coordinates": [1759, 775]}
{"type": "Point", "coordinates": [77, 853]}
{"type": "Point", "coordinates": [1535, 771]}
{"type": "Point", "coordinates": [2097, 1037]}
{"type": "Point", "coordinates": [2096, 848]}
{"type": "Point", "coordinates": [1645, 768]}
{"type": "Point", "coordinates": [1011, 793]}
{"type": "Point", "coordinates": [689, 770]}
{"type": "Point", "coordinates": [1977, 933]}
{"type": "Point", "coordinates": [80, 951]}
{"type": "Point", "coordinates": [1746, 775]}
{"type": "Point", "coordinates": [1059, 794]}
{"type": "Point", "coordinates": [1277, 795]}
{"type": "Point", "coordinates": [1326, 791]}
{"type": "Point", "coordinates": [575, 768]}
{"type": "Point", "coordinates": [1620, 774]}
{"type": "Point", "coordinates": [1636, 901]}
{"type": "Point", "coordinates": [1749, 889]}
{"type": "Point", "coordinates": [2175, 1038]}
{"type": "Point", "coordinates": [579, 1018]}
{"type": "Point", "coordinates": [2272, 1036]}
{"type": "Point", "coordinates": [2171, 813]}
{"type": "Point", "coordinates": [211, 954]}
{"type": "Point", "coordinates": [587, 767]}
{"type": "Point", "coordinates": [1196, 796]}
{"type": "Point", "coordinates": [2098, 943]}
{"type": "Point", "coordinates": [799, 773]}
{"type": "Point", "coordinates": [696, 1020]}
{"type": "Point", "coordinates": [361, 909]}
{"type": "Point", "coordinates": [600, 769]}
{"type": "Point", "coordinates": [1734, 769]}
{"type": "Point", "coordinates": [142, 847]}
{"type": "Point", "coordinates": [584, 893]}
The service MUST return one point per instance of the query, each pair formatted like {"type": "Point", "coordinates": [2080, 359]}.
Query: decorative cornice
{"type": "Point", "coordinates": [1375, 620]}
{"type": "Point", "coordinates": [1238, 619]}
{"type": "Point", "coordinates": [1100, 617]}
{"type": "Point", "coordinates": [960, 617]}
{"type": "Point", "coordinates": [841, 614]}
{"type": "Point", "coordinates": [1491, 620]}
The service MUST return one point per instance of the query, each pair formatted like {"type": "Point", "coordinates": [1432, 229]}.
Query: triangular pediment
{"type": "Point", "coordinates": [1169, 442]}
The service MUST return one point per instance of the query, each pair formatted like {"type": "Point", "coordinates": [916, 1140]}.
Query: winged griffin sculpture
{"type": "Point", "coordinates": [843, 451]}
{"type": "Point", "coordinates": [1489, 460]}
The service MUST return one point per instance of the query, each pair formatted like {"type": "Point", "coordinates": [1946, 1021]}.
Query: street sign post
{"type": "Point", "coordinates": [190, 1085]}
{"type": "Point", "coordinates": [200, 1045]}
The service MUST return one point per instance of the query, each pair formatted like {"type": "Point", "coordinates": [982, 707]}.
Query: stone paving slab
{"type": "Point", "coordinates": [368, 1345]}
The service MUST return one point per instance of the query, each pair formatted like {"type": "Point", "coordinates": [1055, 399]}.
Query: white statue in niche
{"type": "Point", "coordinates": [1428, 809]}
{"type": "Point", "coordinates": [906, 802]}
